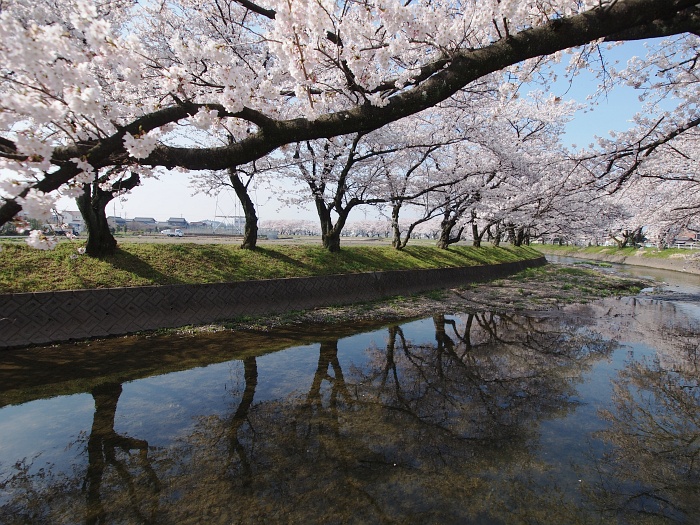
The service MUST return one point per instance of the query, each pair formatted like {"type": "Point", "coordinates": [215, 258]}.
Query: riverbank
{"type": "Point", "coordinates": [81, 364]}
{"type": "Point", "coordinates": [54, 316]}
{"type": "Point", "coordinates": [544, 288]}
{"type": "Point", "coordinates": [687, 261]}
{"type": "Point", "coordinates": [23, 269]}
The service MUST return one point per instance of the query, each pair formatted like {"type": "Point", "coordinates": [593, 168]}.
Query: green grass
{"type": "Point", "coordinates": [23, 269]}
{"type": "Point", "coordinates": [653, 253]}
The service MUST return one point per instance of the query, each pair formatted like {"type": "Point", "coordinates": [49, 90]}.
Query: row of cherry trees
{"type": "Point", "coordinates": [417, 106]}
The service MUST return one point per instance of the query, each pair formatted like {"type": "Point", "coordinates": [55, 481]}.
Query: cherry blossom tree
{"type": "Point", "coordinates": [92, 204]}
{"type": "Point", "coordinates": [88, 86]}
{"type": "Point", "coordinates": [239, 179]}
{"type": "Point", "coordinates": [292, 227]}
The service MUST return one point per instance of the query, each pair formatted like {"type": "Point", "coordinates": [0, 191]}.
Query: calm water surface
{"type": "Point", "coordinates": [590, 414]}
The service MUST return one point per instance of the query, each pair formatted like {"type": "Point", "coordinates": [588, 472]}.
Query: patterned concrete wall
{"type": "Point", "coordinates": [47, 317]}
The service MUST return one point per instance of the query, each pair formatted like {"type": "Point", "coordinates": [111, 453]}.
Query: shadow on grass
{"type": "Point", "coordinates": [286, 259]}
{"type": "Point", "coordinates": [127, 262]}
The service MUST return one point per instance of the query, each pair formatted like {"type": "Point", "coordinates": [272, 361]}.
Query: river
{"type": "Point", "coordinates": [589, 414]}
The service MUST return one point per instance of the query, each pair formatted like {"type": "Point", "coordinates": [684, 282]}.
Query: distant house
{"type": "Point", "coordinates": [147, 224]}
{"type": "Point", "coordinates": [145, 220]}
{"type": "Point", "coordinates": [686, 238]}
{"type": "Point", "coordinates": [113, 221]}
{"type": "Point", "coordinates": [177, 222]}
{"type": "Point", "coordinates": [68, 220]}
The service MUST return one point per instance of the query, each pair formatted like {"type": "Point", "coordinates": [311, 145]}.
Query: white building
{"type": "Point", "coordinates": [73, 219]}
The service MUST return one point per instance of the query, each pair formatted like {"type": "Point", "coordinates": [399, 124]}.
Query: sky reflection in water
{"type": "Point", "coordinates": [579, 416]}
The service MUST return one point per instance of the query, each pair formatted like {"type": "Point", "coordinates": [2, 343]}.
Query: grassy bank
{"type": "Point", "coordinates": [614, 251]}
{"type": "Point", "coordinates": [23, 269]}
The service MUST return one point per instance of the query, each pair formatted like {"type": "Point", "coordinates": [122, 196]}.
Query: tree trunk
{"type": "Point", "coordinates": [330, 233]}
{"type": "Point", "coordinates": [445, 239]}
{"type": "Point", "coordinates": [510, 229]}
{"type": "Point", "coordinates": [396, 240]}
{"type": "Point", "coordinates": [331, 240]}
{"type": "Point", "coordinates": [476, 236]}
{"type": "Point", "coordinates": [92, 204]}
{"type": "Point", "coordinates": [497, 235]}
{"type": "Point", "coordinates": [250, 232]}
{"type": "Point", "coordinates": [516, 237]}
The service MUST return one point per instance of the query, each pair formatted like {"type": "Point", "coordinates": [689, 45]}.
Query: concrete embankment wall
{"type": "Point", "coordinates": [49, 317]}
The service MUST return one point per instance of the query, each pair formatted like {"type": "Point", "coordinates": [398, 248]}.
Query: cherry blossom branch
{"type": "Point", "coordinates": [255, 8]}
{"type": "Point", "coordinates": [685, 21]}
{"type": "Point", "coordinates": [443, 79]}
{"type": "Point", "coordinates": [465, 67]}
{"type": "Point", "coordinates": [642, 151]}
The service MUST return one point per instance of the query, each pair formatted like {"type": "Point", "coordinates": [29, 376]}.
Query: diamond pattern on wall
{"type": "Point", "coordinates": [41, 318]}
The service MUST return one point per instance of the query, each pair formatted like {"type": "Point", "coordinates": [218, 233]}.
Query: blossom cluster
{"type": "Point", "coordinates": [76, 73]}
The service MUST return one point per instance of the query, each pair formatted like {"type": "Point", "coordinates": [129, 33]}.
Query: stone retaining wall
{"type": "Point", "coordinates": [48, 317]}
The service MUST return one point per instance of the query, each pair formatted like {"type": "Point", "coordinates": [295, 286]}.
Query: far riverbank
{"type": "Point", "coordinates": [687, 261]}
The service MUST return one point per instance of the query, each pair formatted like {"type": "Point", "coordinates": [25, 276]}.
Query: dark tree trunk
{"type": "Point", "coordinates": [475, 235]}
{"type": "Point", "coordinates": [250, 233]}
{"type": "Point", "coordinates": [331, 241]}
{"type": "Point", "coordinates": [92, 205]}
{"type": "Point", "coordinates": [396, 240]}
{"type": "Point", "coordinates": [497, 235]}
{"type": "Point", "coordinates": [510, 229]}
{"type": "Point", "coordinates": [446, 239]}
{"type": "Point", "coordinates": [330, 233]}
{"type": "Point", "coordinates": [516, 237]}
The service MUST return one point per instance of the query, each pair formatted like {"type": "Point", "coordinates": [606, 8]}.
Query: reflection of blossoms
{"type": "Point", "coordinates": [40, 241]}
{"type": "Point", "coordinates": [654, 425]}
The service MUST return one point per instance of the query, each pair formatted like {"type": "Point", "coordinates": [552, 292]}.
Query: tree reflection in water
{"type": "Point", "coordinates": [135, 480]}
{"type": "Point", "coordinates": [652, 472]}
{"type": "Point", "coordinates": [117, 486]}
{"type": "Point", "coordinates": [439, 429]}
{"type": "Point", "coordinates": [416, 433]}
